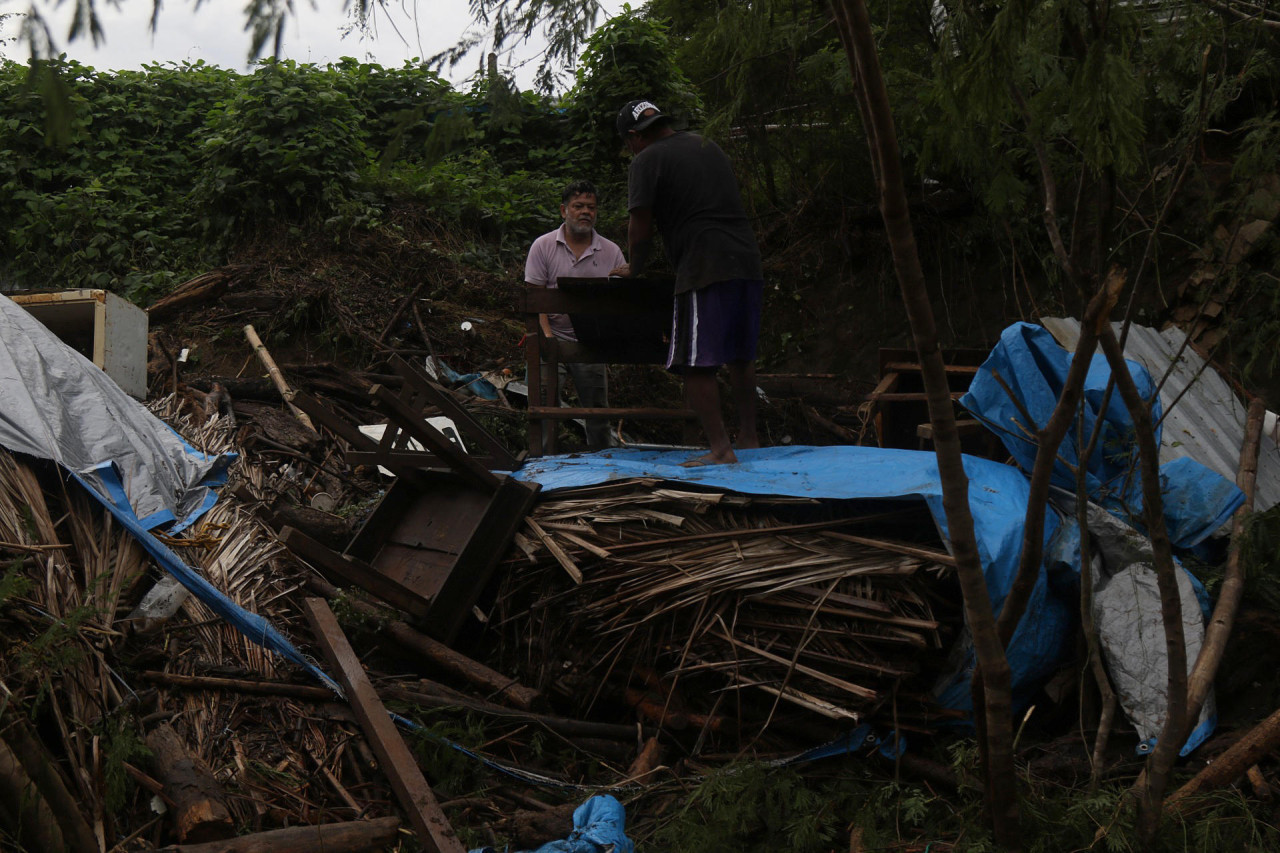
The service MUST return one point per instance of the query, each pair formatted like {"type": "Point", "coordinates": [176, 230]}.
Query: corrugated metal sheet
{"type": "Point", "coordinates": [1205, 423]}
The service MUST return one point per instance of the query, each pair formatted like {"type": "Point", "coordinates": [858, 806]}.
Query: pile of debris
{"type": "Point", "coordinates": [146, 707]}
{"type": "Point", "coordinates": [464, 603]}
{"type": "Point", "coordinates": [645, 594]}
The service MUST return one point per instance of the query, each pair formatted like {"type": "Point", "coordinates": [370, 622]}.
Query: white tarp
{"type": "Point", "coordinates": [55, 404]}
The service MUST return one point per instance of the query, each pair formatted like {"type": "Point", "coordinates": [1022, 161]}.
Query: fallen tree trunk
{"type": "Point", "coordinates": [24, 815]}
{"type": "Point", "coordinates": [1230, 766]}
{"type": "Point", "coordinates": [350, 837]}
{"type": "Point", "coordinates": [199, 813]}
{"type": "Point", "coordinates": [34, 763]}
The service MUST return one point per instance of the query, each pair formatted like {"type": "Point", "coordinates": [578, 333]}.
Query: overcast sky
{"type": "Point", "coordinates": [215, 33]}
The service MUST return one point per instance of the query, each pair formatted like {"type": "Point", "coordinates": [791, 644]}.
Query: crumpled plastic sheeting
{"type": "Point", "coordinates": [59, 406]}
{"type": "Point", "coordinates": [1126, 611]}
{"type": "Point", "coordinates": [1197, 500]}
{"type": "Point", "coordinates": [599, 826]}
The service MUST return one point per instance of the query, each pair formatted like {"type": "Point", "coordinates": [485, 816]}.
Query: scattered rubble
{"type": "Point", "coordinates": [649, 623]}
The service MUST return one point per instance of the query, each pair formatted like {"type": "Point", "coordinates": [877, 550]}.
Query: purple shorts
{"type": "Point", "coordinates": [717, 324]}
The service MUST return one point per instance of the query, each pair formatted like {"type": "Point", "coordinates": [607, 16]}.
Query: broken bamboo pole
{"type": "Point", "coordinates": [1231, 765]}
{"type": "Point", "coordinates": [277, 377]}
{"type": "Point", "coordinates": [199, 813]}
{"type": "Point", "coordinates": [1200, 682]}
{"type": "Point", "coordinates": [348, 837]}
{"type": "Point", "coordinates": [397, 762]}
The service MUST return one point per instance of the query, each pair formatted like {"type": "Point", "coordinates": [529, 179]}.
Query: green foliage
{"type": "Point", "coordinates": [450, 768]}
{"type": "Point", "coordinates": [155, 174]}
{"type": "Point", "coordinates": [120, 746]}
{"type": "Point", "coordinates": [14, 583]}
{"type": "Point", "coordinates": [288, 144]}
{"type": "Point", "coordinates": [759, 808]}
{"type": "Point", "coordinates": [629, 57]}
{"type": "Point", "coordinates": [473, 190]}
{"type": "Point", "coordinates": [54, 649]}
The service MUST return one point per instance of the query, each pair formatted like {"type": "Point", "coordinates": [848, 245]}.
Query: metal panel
{"type": "Point", "coordinates": [1203, 419]}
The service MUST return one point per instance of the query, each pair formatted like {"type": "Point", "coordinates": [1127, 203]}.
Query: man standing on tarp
{"type": "Point", "coordinates": [575, 250]}
{"type": "Point", "coordinates": [684, 186]}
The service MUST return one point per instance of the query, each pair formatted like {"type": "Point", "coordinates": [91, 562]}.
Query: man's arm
{"type": "Point", "coordinates": [640, 242]}
{"type": "Point", "coordinates": [535, 272]}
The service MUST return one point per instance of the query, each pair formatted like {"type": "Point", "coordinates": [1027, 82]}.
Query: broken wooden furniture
{"type": "Point", "coordinates": [898, 402]}
{"type": "Point", "coordinates": [431, 544]}
{"type": "Point", "coordinates": [617, 321]}
{"type": "Point", "coordinates": [414, 443]}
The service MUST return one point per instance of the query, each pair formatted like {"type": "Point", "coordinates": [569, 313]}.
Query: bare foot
{"type": "Point", "coordinates": [710, 459]}
{"type": "Point", "coordinates": [748, 443]}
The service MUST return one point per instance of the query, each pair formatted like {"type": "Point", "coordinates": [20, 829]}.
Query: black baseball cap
{"type": "Point", "coordinates": [638, 115]}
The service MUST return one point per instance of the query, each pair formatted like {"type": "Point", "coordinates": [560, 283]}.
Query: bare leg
{"type": "Point", "coordinates": [742, 376]}
{"type": "Point", "coordinates": [704, 398]}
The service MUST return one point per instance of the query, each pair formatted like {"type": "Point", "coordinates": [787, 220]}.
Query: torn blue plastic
{"type": "Point", "coordinates": [253, 626]}
{"type": "Point", "coordinates": [861, 738]}
{"type": "Point", "coordinates": [599, 826]}
{"type": "Point", "coordinates": [1033, 367]}
{"type": "Point", "coordinates": [470, 383]}
{"type": "Point", "coordinates": [893, 747]}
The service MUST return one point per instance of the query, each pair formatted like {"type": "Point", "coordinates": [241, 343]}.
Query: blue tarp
{"type": "Point", "coordinates": [59, 406]}
{"type": "Point", "coordinates": [1197, 501]}
{"type": "Point", "coordinates": [599, 826]}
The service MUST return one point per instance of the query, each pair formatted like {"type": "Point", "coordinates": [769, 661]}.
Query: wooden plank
{"type": "Point", "coordinates": [951, 369]}
{"type": "Point", "coordinates": [887, 383]}
{"type": "Point", "coordinates": [451, 606]}
{"type": "Point", "coordinates": [964, 426]}
{"type": "Point", "coordinates": [349, 837]}
{"type": "Point", "coordinates": [396, 460]}
{"type": "Point", "coordinates": [334, 422]}
{"type": "Point", "coordinates": [394, 757]}
{"type": "Point", "coordinates": [905, 397]}
{"type": "Point", "coordinates": [435, 441]}
{"type": "Point", "coordinates": [415, 378]}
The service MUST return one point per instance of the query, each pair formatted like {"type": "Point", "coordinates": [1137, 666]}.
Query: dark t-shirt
{"type": "Point", "coordinates": [689, 185]}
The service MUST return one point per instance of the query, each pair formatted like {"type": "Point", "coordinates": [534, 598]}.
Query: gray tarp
{"type": "Point", "coordinates": [1126, 612]}
{"type": "Point", "coordinates": [55, 404]}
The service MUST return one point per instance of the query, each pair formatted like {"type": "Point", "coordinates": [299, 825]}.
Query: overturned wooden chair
{"type": "Point", "coordinates": [431, 544]}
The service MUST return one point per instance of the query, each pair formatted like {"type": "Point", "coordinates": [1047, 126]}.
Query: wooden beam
{"type": "Point", "coordinates": [397, 762]}
{"type": "Point", "coordinates": [348, 837]}
{"type": "Point", "coordinates": [494, 683]}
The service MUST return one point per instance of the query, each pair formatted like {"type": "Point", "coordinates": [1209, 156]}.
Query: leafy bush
{"type": "Point", "coordinates": [106, 207]}
{"type": "Point", "coordinates": [289, 144]}
{"type": "Point", "coordinates": [628, 57]}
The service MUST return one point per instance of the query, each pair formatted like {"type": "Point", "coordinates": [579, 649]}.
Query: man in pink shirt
{"type": "Point", "coordinates": [575, 250]}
